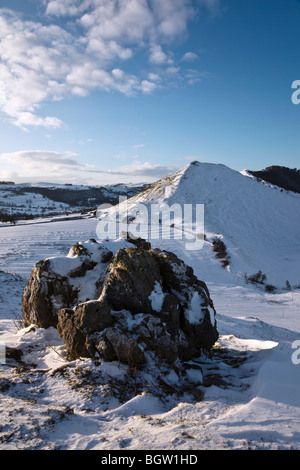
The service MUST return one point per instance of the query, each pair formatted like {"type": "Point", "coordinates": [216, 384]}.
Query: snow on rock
{"type": "Point", "coordinates": [58, 282]}
{"type": "Point", "coordinates": [157, 297]}
{"type": "Point", "coordinates": [194, 314]}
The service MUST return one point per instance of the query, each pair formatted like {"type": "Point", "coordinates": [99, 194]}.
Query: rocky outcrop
{"type": "Point", "coordinates": [45, 294]}
{"type": "Point", "coordinates": [57, 283]}
{"type": "Point", "coordinates": [147, 305]}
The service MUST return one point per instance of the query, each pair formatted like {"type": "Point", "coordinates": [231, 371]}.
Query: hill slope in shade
{"type": "Point", "coordinates": [286, 178]}
{"type": "Point", "coordinates": [259, 224]}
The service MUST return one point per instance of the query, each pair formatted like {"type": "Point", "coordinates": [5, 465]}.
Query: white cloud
{"type": "Point", "coordinates": [172, 16]}
{"type": "Point", "coordinates": [173, 70]}
{"type": "Point", "coordinates": [154, 77]}
{"type": "Point", "coordinates": [139, 146]}
{"type": "Point", "coordinates": [40, 63]}
{"type": "Point", "coordinates": [195, 76]}
{"type": "Point", "coordinates": [25, 119]}
{"type": "Point", "coordinates": [212, 5]}
{"type": "Point", "coordinates": [32, 63]}
{"type": "Point", "coordinates": [63, 7]}
{"type": "Point", "coordinates": [46, 60]}
{"type": "Point", "coordinates": [123, 21]}
{"type": "Point", "coordinates": [8, 175]}
{"type": "Point", "coordinates": [189, 56]}
{"type": "Point", "coordinates": [39, 165]}
{"type": "Point", "coordinates": [158, 56]}
{"type": "Point", "coordinates": [44, 160]}
{"type": "Point", "coordinates": [147, 86]}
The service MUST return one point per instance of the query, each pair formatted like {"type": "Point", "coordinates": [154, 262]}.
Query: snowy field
{"type": "Point", "coordinates": [253, 402]}
{"type": "Point", "coordinates": [250, 398]}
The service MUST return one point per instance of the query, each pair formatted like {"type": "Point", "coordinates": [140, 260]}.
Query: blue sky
{"type": "Point", "coordinates": [108, 91]}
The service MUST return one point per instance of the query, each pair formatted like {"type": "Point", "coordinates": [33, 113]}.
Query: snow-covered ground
{"type": "Point", "coordinates": [24, 202]}
{"type": "Point", "coordinates": [251, 384]}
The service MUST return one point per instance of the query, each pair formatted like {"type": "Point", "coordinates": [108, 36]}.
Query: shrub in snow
{"type": "Point", "coordinates": [220, 250]}
{"type": "Point", "coordinates": [270, 288]}
{"type": "Point", "coordinates": [258, 278]}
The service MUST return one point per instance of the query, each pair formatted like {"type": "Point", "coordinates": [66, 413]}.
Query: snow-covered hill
{"type": "Point", "coordinates": [259, 224]}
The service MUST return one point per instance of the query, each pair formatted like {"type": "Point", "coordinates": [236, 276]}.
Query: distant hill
{"type": "Point", "coordinates": [281, 176]}
{"type": "Point", "coordinates": [86, 196]}
{"type": "Point", "coordinates": [26, 201]}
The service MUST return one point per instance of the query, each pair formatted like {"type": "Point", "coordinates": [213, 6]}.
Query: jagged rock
{"type": "Point", "coordinates": [157, 305]}
{"type": "Point", "coordinates": [73, 336]}
{"type": "Point", "coordinates": [113, 344]}
{"type": "Point", "coordinates": [75, 324]}
{"type": "Point", "coordinates": [146, 303]}
{"type": "Point", "coordinates": [130, 279]}
{"type": "Point", "coordinates": [57, 283]}
{"type": "Point", "coordinates": [137, 241]}
{"type": "Point", "coordinates": [154, 333]}
{"type": "Point", "coordinates": [45, 294]}
{"type": "Point", "coordinates": [158, 282]}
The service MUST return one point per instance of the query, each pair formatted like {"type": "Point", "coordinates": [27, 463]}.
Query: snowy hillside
{"type": "Point", "coordinates": [259, 224]}
{"type": "Point", "coordinates": [16, 201]}
{"type": "Point", "coordinates": [248, 391]}
{"type": "Point", "coordinates": [29, 201]}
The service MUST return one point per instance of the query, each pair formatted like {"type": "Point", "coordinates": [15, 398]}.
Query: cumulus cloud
{"type": "Point", "coordinates": [189, 56]}
{"type": "Point", "coordinates": [32, 68]}
{"type": "Point", "coordinates": [37, 158]}
{"type": "Point", "coordinates": [25, 119]}
{"type": "Point", "coordinates": [33, 163]}
{"type": "Point", "coordinates": [63, 7]}
{"type": "Point", "coordinates": [79, 46]}
{"type": "Point", "coordinates": [172, 16]}
{"type": "Point", "coordinates": [158, 56]}
{"type": "Point", "coordinates": [148, 87]}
